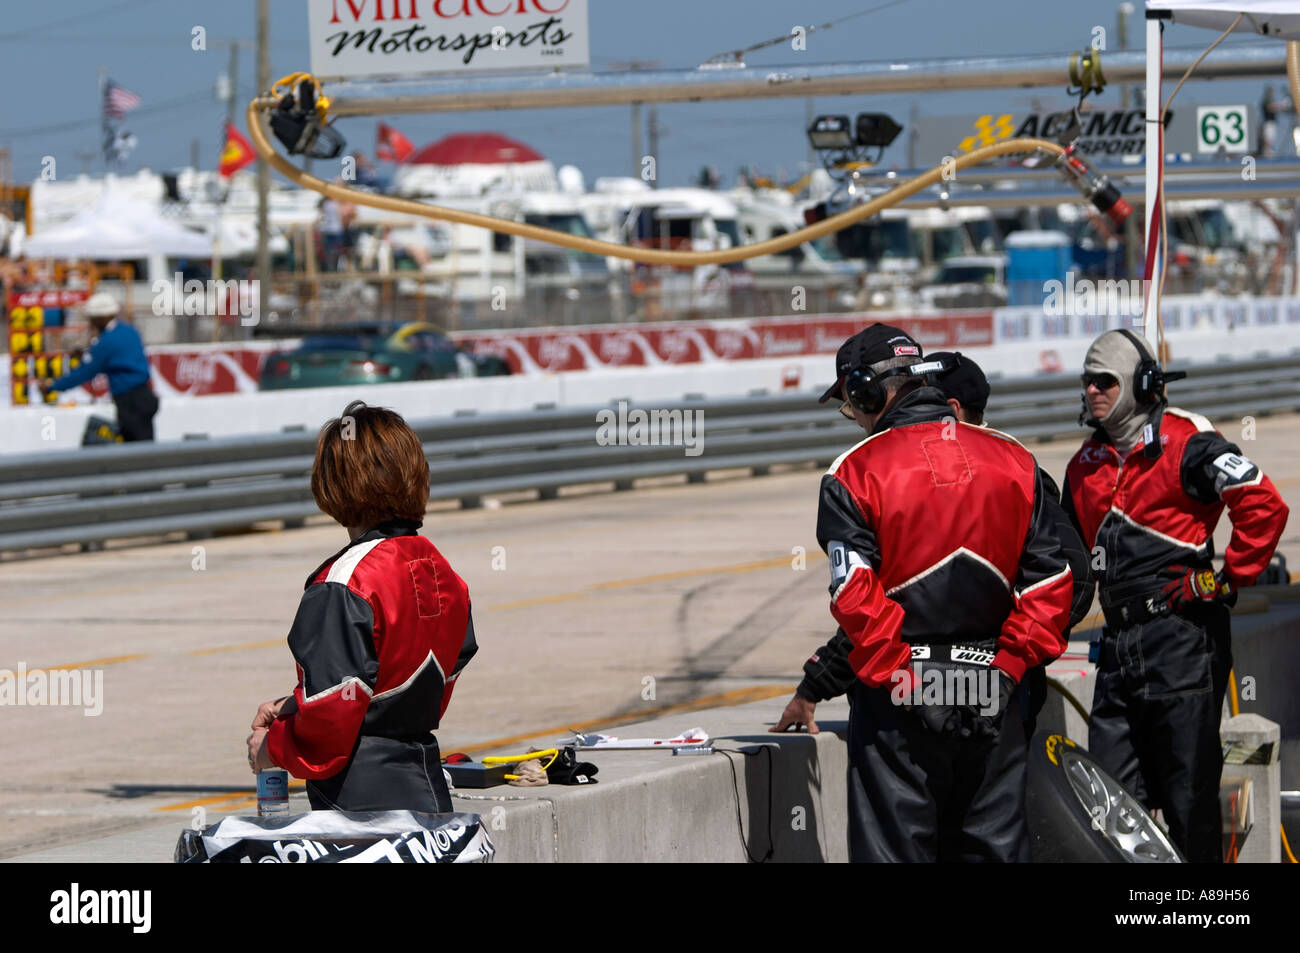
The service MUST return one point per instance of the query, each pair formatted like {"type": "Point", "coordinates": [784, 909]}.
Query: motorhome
{"type": "Point", "coordinates": [629, 212]}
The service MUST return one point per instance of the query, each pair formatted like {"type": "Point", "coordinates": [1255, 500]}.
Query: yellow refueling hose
{"type": "Point", "coordinates": [650, 256]}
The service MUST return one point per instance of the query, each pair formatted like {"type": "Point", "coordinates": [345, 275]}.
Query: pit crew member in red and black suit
{"type": "Point", "coordinates": [1146, 491]}
{"type": "Point", "coordinates": [827, 673]}
{"type": "Point", "coordinates": [943, 558]}
{"type": "Point", "coordinates": [381, 635]}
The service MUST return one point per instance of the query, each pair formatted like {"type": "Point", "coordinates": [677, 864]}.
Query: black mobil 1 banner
{"type": "Point", "coordinates": [356, 38]}
{"type": "Point", "coordinates": [1103, 132]}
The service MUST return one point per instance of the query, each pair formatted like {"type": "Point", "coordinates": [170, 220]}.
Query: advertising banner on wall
{"type": "Point", "coordinates": [733, 339]}
{"type": "Point", "coordinates": [352, 39]}
{"type": "Point", "coordinates": [1105, 134]}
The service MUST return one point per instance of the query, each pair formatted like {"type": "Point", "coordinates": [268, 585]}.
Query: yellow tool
{"type": "Point", "coordinates": [516, 759]}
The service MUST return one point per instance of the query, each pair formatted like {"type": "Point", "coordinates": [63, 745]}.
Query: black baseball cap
{"type": "Point", "coordinates": [965, 382]}
{"type": "Point", "coordinates": [870, 346]}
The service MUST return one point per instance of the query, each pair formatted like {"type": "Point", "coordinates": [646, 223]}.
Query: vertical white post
{"type": "Point", "coordinates": [1153, 160]}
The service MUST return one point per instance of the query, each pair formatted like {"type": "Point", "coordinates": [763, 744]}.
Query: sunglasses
{"type": "Point", "coordinates": [1100, 381]}
{"type": "Point", "coordinates": [847, 410]}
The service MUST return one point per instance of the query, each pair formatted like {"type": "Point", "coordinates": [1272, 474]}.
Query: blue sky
{"type": "Point", "coordinates": [50, 54]}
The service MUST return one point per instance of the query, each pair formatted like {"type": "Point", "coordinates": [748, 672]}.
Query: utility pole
{"type": "Point", "coordinates": [1133, 240]}
{"type": "Point", "coordinates": [230, 89]}
{"type": "Point", "coordinates": [636, 140]}
{"type": "Point", "coordinates": [809, 113]}
{"type": "Point", "coordinates": [263, 170]}
{"type": "Point", "coordinates": [232, 74]}
{"type": "Point", "coordinates": [653, 133]}
{"type": "Point", "coordinates": [1121, 34]}
{"type": "Point", "coordinates": [106, 131]}
{"type": "Point", "coordinates": [913, 118]}
{"type": "Point", "coordinates": [623, 66]}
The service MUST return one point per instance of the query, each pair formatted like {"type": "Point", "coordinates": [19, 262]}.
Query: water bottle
{"type": "Point", "coordinates": [273, 793]}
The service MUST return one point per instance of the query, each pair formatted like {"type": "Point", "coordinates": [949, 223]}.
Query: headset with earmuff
{"type": "Point", "coordinates": [1150, 378]}
{"type": "Point", "coordinates": [1149, 382]}
{"type": "Point", "coordinates": [865, 391]}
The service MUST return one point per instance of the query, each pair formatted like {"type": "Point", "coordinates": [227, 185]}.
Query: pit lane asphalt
{"type": "Point", "coordinates": [588, 607]}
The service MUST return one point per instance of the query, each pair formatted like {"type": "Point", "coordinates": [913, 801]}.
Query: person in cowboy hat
{"type": "Point", "coordinates": [118, 354]}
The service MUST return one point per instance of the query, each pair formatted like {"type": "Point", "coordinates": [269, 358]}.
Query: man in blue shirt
{"type": "Point", "coordinates": [118, 353]}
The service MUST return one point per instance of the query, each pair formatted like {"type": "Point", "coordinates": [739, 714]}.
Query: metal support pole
{"type": "Point", "coordinates": [364, 97]}
{"type": "Point", "coordinates": [263, 169]}
{"type": "Point", "coordinates": [1153, 162]}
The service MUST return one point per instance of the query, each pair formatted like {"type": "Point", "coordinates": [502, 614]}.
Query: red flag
{"type": "Point", "coordinates": [235, 154]}
{"type": "Point", "coordinates": [391, 145]}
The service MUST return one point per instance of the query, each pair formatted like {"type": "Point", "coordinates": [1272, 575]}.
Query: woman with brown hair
{"type": "Point", "coordinates": [381, 634]}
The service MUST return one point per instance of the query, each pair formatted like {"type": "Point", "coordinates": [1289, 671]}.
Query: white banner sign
{"type": "Point", "coordinates": [357, 38]}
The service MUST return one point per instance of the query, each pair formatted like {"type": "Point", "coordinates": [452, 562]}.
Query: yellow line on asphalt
{"type": "Point", "coordinates": [152, 586]}
{"type": "Point", "coordinates": [519, 604]}
{"type": "Point", "coordinates": [739, 696]}
{"type": "Point", "coordinates": [266, 644]}
{"type": "Point", "coordinates": [250, 794]}
{"type": "Point", "coordinates": [93, 663]}
{"type": "Point", "coordinates": [649, 580]}
{"type": "Point", "coordinates": [540, 600]}
{"type": "Point", "coordinates": [710, 571]}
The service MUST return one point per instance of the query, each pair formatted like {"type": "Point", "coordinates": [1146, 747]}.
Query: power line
{"type": "Point", "coordinates": [739, 55]}
{"type": "Point", "coordinates": [163, 106]}
{"type": "Point", "coordinates": [75, 18]}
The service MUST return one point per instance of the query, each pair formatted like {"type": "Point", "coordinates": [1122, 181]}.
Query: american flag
{"type": "Point", "coordinates": [118, 100]}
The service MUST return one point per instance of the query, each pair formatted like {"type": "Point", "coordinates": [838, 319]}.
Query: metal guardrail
{"type": "Point", "coordinates": [198, 487]}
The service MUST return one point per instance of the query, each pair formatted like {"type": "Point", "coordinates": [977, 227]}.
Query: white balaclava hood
{"type": "Point", "coordinates": [1119, 354]}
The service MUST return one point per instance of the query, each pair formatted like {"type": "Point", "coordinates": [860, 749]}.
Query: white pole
{"type": "Point", "coordinates": [1153, 161]}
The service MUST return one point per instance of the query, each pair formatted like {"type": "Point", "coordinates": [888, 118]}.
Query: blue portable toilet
{"type": "Point", "coordinates": [1033, 259]}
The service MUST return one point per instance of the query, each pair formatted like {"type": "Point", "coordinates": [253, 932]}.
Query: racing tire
{"type": "Point", "coordinates": [1077, 813]}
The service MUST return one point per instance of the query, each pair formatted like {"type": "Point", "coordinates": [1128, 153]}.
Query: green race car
{"type": "Point", "coordinates": [414, 352]}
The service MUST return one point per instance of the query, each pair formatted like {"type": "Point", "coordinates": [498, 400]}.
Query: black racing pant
{"type": "Point", "coordinates": [135, 411]}
{"type": "Point", "coordinates": [385, 774]}
{"type": "Point", "coordinates": [1155, 720]}
{"type": "Point", "coordinates": [919, 797]}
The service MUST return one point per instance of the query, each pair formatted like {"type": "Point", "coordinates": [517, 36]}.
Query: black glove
{"type": "Point", "coordinates": [942, 719]}
{"type": "Point", "coordinates": [567, 769]}
{"type": "Point", "coordinates": [988, 725]}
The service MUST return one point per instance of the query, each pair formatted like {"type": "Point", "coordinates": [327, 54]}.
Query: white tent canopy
{"type": "Point", "coordinates": [118, 228]}
{"type": "Point", "coordinates": [238, 237]}
{"type": "Point", "coordinates": [1276, 18]}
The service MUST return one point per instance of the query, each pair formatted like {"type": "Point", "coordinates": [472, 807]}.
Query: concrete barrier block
{"type": "Point", "coordinates": [1247, 733]}
{"type": "Point", "coordinates": [759, 795]}
{"type": "Point", "coordinates": [1077, 680]}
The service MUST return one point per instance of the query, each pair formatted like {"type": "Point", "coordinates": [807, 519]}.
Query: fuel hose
{"type": "Point", "coordinates": [258, 107]}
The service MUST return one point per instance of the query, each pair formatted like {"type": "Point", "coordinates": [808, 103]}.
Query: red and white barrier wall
{"type": "Point", "coordinates": [212, 390]}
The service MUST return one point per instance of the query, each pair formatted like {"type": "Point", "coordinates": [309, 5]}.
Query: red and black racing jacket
{"type": "Point", "coordinates": [1141, 516]}
{"type": "Point", "coordinates": [938, 536]}
{"type": "Point", "coordinates": [382, 633]}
